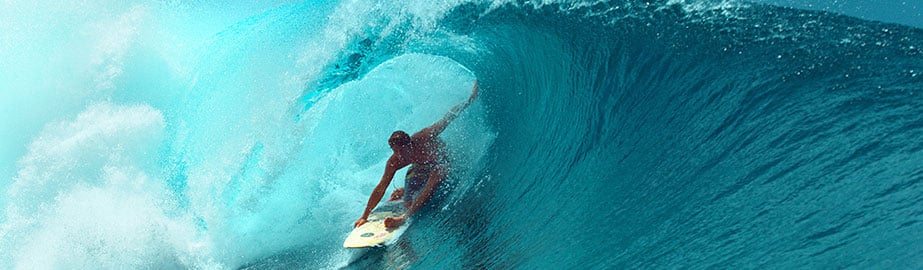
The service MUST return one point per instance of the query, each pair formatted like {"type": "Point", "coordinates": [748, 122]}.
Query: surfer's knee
{"type": "Point", "coordinates": [397, 195]}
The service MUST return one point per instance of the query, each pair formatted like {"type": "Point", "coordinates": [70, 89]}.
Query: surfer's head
{"type": "Point", "coordinates": [399, 139]}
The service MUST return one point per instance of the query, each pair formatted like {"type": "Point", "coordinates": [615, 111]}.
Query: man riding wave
{"type": "Point", "coordinates": [425, 152]}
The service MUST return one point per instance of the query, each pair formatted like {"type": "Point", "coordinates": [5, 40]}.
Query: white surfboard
{"type": "Point", "coordinates": [373, 233]}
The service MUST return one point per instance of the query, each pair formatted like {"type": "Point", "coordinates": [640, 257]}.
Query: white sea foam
{"type": "Point", "coordinates": [88, 195]}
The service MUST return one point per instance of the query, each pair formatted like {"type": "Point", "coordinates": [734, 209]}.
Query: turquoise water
{"type": "Point", "coordinates": [619, 134]}
{"type": "Point", "coordinates": [892, 11]}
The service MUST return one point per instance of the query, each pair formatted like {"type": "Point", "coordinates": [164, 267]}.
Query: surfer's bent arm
{"type": "Point", "coordinates": [440, 126]}
{"type": "Point", "coordinates": [425, 194]}
{"type": "Point", "coordinates": [380, 189]}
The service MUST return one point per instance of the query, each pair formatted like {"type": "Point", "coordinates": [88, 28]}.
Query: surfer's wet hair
{"type": "Point", "coordinates": [399, 138]}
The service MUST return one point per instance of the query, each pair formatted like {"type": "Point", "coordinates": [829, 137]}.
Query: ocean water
{"type": "Point", "coordinates": [608, 134]}
{"type": "Point", "coordinates": [893, 11]}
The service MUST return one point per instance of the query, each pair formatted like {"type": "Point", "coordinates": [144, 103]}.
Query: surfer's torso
{"type": "Point", "coordinates": [421, 151]}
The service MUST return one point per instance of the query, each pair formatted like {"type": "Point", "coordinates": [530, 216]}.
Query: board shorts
{"type": "Point", "coordinates": [416, 178]}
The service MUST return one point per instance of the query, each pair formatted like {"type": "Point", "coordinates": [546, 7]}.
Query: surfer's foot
{"type": "Point", "coordinates": [394, 222]}
{"type": "Point", "coordinates": [396, 195]}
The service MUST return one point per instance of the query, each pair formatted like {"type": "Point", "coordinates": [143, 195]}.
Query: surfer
{"type": "Point", "coordinates": [425, 153]}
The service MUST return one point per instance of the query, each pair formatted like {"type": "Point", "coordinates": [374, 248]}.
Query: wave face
{"type": "Point", "coordinates": [619, 134]}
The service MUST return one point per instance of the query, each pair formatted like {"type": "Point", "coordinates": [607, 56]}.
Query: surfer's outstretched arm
{"type": "Point", "coordinates": [439, 126]}
{"type": "Point", "coordinates": [379, 191]}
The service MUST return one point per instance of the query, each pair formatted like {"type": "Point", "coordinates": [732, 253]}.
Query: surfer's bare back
{"type": "Point", "coordinates": [426, 154]}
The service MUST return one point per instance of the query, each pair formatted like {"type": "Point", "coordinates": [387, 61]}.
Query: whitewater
{"type": "Point", "coordinates": [607, 135]}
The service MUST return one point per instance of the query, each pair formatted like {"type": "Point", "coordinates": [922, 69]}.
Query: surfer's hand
{"type": "Point", "coordinates": [394, 222]}
{"type": "Point", "coordinates": [359, 222]}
